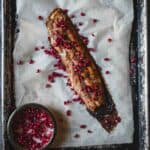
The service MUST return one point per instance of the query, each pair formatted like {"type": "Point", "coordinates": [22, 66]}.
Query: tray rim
{"type": "Point", "coordinates": [142, 38]}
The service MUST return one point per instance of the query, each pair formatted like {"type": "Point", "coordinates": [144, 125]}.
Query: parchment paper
{"type": "Point", "coordinates": [114, 21]}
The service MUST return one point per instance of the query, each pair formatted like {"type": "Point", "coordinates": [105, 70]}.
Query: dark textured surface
{"type": "Point", "coordinates": [137, 138]}
{"type": "Point", "coordinates": [0, 87]}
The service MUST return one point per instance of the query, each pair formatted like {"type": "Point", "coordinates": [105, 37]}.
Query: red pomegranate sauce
{"type": "Point", "coordinates": [32, 128]}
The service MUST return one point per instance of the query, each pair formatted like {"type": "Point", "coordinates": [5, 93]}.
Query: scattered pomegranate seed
{"type": "Point", "coordinates": [78, 99]}
{"type": "Point", "coordinates": [59, 65]}
{"type": "Point", "coordinates": [54, 75]}
{"type": "Point", "coordinates": [20, 62]}
{"type": "Point", "coordinates": [89, 131]}
{"type": "Point", "coordinates": [52, 52]}
{"type": "Point", "coordinates": [82, 102]}
{"type": "Point", "coordinates": [80, 23]}
{"type": "Point", "coordinates": [38, 71]}
{"type": "Point", "coordinates": [42, 47]}
{"type": "Point", "coordinates": [48, 38]}
{"type": "Point", "coordinates": [82, 14]}
{"type": "Point", "coordinates": [95, 20]}
{"type": "Point", "coordinates": [68, 112]}
{"type": "Point", "coordinates": [91, 49]}
{"type": "Point", "coordinates": [107, 72]}
{"type": "Point", "coordinates": [109, 39]}
{"type": "Point", "coordinates": [65, 76]}
{"type": "Point", "coordinates": [65, 10]}
{"type": "Point", "coordinates": [83, 126]}
{"type": "Point", "coordinates": [85, 40]}
{"type": "Point", "coordinates": [93, 34]}
{"type": "Point", "coordinates": [36, 48]}
{"type": "Point", "coordinates": [76, 135]}
{"type": "Point", "coordinates": [47, 85]}
{"type": "Point", "coordinates": [72, 16]}
{"type": "Point", "coordinates": [31, 61]}
{"type": "Point", "coordinates": [106, 59]}
{"type": "Point", "coordinates": [67, 102]}
{"type": "Point", "coordinates": [76, 27]}
{"type": "Point", "coordinates": [118, 119]}
{"type": "Point", "coordinates": [40, 18]}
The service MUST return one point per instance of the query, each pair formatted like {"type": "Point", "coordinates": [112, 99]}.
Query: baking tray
{"type": "Point", "coordinates": [138, 76]}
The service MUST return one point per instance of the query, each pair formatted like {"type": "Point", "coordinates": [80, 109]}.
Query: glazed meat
{"type": "Point", "coordinates": [84, 75]}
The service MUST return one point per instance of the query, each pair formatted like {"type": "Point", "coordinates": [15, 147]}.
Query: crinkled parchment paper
{"type": "Point", "coordinates": [114, 21]}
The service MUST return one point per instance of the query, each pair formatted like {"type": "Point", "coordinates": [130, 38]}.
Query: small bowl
{"type": "Point", "coordinates": [14, 144]}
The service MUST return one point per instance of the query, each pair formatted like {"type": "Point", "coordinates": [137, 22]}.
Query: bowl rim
{"type": "Point", "coordinates": [10, 119]}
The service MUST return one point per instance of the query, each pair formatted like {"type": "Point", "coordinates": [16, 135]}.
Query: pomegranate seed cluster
{"type": "Point", "coordinates": [54, 75]}
{"type": "Point", "coordinates": [32, 128]}
{"type": "Point", "coordinates": [85, 40]}
{"type": "Point", "coordinates": [61, 24]}
{"type": "Point", "coordinates": [110, 122]}
{"type": "Point", "coordinates": [52, 52]}
{"type": "Point", "coordinates": [94, 90]}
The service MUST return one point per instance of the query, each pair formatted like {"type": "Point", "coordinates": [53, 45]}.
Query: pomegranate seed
{"type": "Point", "coordinates": [80, 23]}
{"type": "Point", "coordinates": [91, 49]}
{"type": "Point", "coordinates": [31, 61]}
{"type": "Point", "coordinates": [107, 72]}
{"type": "Point", "coordinates": [118, 119]}
{"type": "Point", "coordinates": [65, 76]}
{"type": "Point", "coordinates": [47, 85]}
{"type": "Point", "coordinates": [65, 10]}
{"type": "Point", "coordinates": [40, 18]}
{"type": "Point", "coordinates": [109, 39]}
{"type": "Point", "coordinates": [68, 112]}
{"type": "Point", "coordinates": [85, 40]}
{"type": "Point", "coordinates": [81, 102]}
{"type": "Point", "coordinates": [20, 62]}
{"type": "Point", "coordinates": [61, 24]}
{"type": "Point", "coordinates": [49, 38]}
{"type": "Point", "coordinates": [54, 75]}
{"type": "Point", "coordinates": [36, 48]}
{"type": "Point", "coordinates": [95, 20]}
{"type": "Point", "coordinates": [82, 14]}
{"type": "Point", "coordinates": [76, 135]}
{"type": "Point", "coordinates": [72, 16]}
{"type": "Point", "coordinates": [89, 131]}
{"type": "Point", "coordinates": [83, 126]}
{"type": "Point", "coordinates": [75, 100]}
{"type": "Point", "coordinates": [76, 27]}
{"type": "Point", "coordinates": [38, 71]}
{"type": "Point", "coordinates": [106, 59]}
{"type": "Point", "coordinates": [42, 47]}
{"type": "Point", "coordinates": [65, 102]}
{"type": "Point", "coordinates": [93, 35]}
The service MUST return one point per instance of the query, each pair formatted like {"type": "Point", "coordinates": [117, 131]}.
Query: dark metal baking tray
{"type": "Point", "coordinates": [139, 78]}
